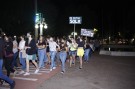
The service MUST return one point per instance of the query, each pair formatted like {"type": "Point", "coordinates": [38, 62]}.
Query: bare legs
{"type": "Point", "coordinates": [72, 60]}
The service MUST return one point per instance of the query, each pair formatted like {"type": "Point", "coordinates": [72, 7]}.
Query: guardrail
{"type": "Point", "coordinates": [117, 50]}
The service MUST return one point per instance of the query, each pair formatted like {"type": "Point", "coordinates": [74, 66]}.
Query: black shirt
{"type": "Point", "coordinates": [2, 45]}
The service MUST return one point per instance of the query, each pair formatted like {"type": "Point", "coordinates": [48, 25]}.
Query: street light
{"type": "Point", "coordinates": [36, 26]}
{"type": "Point", "coordinates": [42, 25]}
{"type": "Point", "coordinates": [45, 26]}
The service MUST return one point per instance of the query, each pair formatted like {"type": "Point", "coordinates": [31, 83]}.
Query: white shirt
{"type": "Point", "coordinates": [15, 44]}
{"type": "Point", "coordinates": [21, 44]}
{"type": "Point", "coordinates": [52, 46]}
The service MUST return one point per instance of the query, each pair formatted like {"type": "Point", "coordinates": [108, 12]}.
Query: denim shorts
{"type": "Point", "coordinates": [72, 53]}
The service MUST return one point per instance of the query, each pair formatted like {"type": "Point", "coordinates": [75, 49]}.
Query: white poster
{"type": "Point", "coordinates": [75, 20]}
{"type": "Point", "coordinates": [87, 32]}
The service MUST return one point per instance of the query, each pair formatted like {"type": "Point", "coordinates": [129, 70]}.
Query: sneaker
{"type": "Point", "coordinates": [54, 67]}
{"type": "Point", "coordinates": [5, 83]}
{"type": "Point", "coordinates": [12, 86]}
{"type": "Point", "coordinates": [1, 82]}
{"type": "Point", "coordinates": [26, 74]}
{"type": "Point", "coordinates": [80, 67]}
{"type": "Point", "coordinates": [37, 70]}
{"type": "Point", "coordinates": [22, 72]}
{"type": "Point", "coordinates": [50, 69]}
{"type": "Point", "coordinates": [15, 72]}
{"type": "Point", "coordinates": [62, 72]}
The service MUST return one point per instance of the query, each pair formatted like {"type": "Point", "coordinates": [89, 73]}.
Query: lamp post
{"type": "Point", "coordinates": [39, 22]}
{"type": "Point", "coordinates": [42, 25]}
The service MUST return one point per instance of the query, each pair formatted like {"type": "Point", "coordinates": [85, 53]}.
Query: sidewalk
{"type": "Point", "coordinates": [102, 72]}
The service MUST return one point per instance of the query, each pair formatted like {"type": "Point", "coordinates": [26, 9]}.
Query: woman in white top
{"type": "Point", "coordinates": [22, 54]}
{"type": "Point", "coordinates": [15, 52]}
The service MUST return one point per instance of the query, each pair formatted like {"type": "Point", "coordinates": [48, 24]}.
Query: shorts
{"type": "Point", "coordinates": [72, 53]}
{"type": "Point", "coordinates": [80, 52]}
{"type": "Point", "coordinates": [31, 57]}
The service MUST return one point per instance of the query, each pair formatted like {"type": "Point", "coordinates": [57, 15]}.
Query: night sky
{"type": "Point", "coordinates": [109, 17]}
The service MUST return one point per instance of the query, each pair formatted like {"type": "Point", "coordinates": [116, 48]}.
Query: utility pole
{"type": "Point", "coordinates": [36, 29]}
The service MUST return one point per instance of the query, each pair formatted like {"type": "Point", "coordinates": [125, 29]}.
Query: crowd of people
{"type": "Point", "coordinates": [41, 52]}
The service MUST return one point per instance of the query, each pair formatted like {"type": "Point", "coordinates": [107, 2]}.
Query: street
{"type": "Point", "coordinates": [102, 72]}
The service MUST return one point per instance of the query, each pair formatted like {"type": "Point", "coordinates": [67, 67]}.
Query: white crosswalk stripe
{"type": "Point", "coordinates": [1, 87]}
{"type": "Point", "coordinates": [22, 78]}
{"type": "Point", "coordinates": [32, 70]}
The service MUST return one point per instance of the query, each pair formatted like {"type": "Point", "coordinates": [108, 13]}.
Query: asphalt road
{"type": "Point", "coordinates": [102, 72]}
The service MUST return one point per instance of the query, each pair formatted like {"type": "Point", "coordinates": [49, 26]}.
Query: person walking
{"type": "Point", "coordinates": [80, 51]}
{"type": "Point", "coordinates": [15, 53]}
{"type": "Point", "coordinates": [53, 45]}
{"type": "Point", "coordinates": [63, 55]}
{"type": "Point", "coordinates": [8, 53]}
{"type": "Point", "coordinates": [22, 54]}
{"type": "Point", "coordinates": [41, 52]}
{"type": "Point", "coordinates": [31, 50]}
{"type": "Point", "coordinates": [2, 76]}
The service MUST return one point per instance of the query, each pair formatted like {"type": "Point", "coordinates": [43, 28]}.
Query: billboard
{"type": "Point", "coordinates": [87, 32]}
{"type": "Point", "coordinates": [75, 20]}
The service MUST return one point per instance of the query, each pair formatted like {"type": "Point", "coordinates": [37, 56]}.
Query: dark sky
{"type": "Point", "coordinates": [17, 16]}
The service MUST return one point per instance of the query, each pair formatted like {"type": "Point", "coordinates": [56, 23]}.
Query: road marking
{"type": "Point", "coordinates": [3, 87]}
{"type": "Point", "coordinates": [29, 79]}
{"type": "Point", "coordinates": [36, 73]}
{"type": "Point", "coordinates": [30, 73]}
{"type": "Point", "coordinates": [35, 69]}
{"type": "Point", "coordinates": [40, 71]}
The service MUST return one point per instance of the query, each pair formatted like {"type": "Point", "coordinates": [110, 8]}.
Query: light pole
{"type": "Point", "coordinates": [36, 26]}
{"type": "Point", "coordinates": [39, 22]}
{"type": "Point", "coordinates": [42, 25]}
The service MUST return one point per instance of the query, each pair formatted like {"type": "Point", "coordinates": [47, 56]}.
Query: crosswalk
{"type": "Point", "coordinates": [21, 77]}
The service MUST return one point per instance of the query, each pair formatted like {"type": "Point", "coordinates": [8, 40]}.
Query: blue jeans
{"type": "Point", "coordinates": [14, 63]}
{"type": "Point", "coordinates": [2, 76]}
{"type": "Point", "coordinates": [22, 61]}
{"type": "Point", "coordinates": [63, 56]}
{"type": "Point", "coordinates": [58, 57]}
{"type": "Point", "coordinates": [52, 55]}
{"type": "Point", "coordinates": [86, 54]}
{"type": "Point", "coordinates": [41, 57]}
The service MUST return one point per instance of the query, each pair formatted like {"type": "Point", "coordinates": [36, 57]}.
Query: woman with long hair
{"type": "Point", "coordinates": [63, 54]}
{"type": "Point", "coordinates": [22, 54]}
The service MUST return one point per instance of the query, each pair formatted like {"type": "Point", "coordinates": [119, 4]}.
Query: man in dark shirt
{"type": "Point", "coordinates": [2, 76]}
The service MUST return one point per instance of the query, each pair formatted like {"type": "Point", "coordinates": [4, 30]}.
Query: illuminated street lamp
{"type": "Point", "coordinates": [40, 23]}
{"type": "Point", "coordinates": [36, 26]}
{"type": "Point", "coordinates": [45, 26]}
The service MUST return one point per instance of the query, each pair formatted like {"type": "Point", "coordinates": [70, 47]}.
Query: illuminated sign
{"type": "Point", "coordinates": [75, 20]}
{"type": "Point", "coordinates": [87, 32]}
